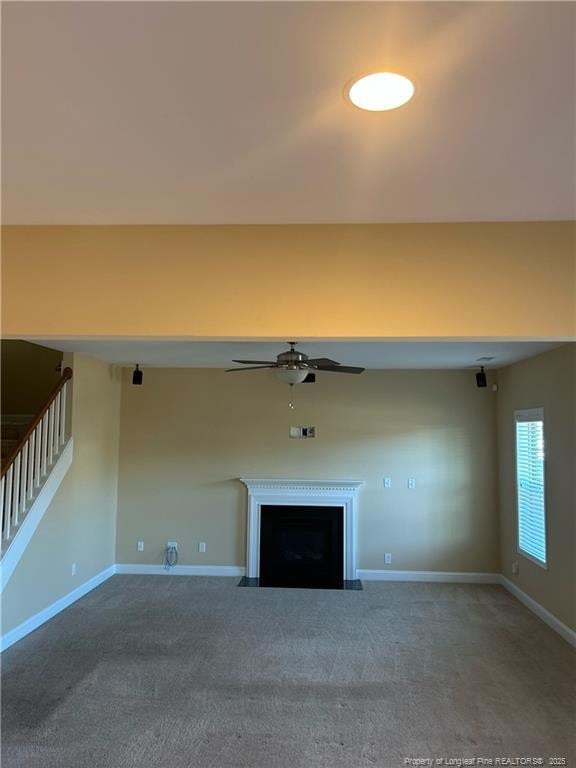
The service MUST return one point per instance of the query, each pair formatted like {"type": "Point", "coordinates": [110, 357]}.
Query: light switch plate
{"type": "Point", "coordinates": [412, 483]}
{"type": "Point", "coordinates": [387, 482]}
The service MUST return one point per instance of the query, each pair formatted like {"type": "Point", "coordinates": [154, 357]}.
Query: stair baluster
{"type": "Point", "coordinates": [32, 459]}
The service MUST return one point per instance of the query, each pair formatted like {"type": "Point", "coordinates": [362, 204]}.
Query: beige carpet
{"type": "Point", "coordinates": [178, 671]}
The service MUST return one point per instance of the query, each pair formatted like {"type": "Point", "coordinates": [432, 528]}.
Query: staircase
{"type": "Point", "coordinates": [30, 449]}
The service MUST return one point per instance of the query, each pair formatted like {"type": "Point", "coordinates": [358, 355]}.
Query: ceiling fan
{"type": "Point", "coordinates": [294, 366]}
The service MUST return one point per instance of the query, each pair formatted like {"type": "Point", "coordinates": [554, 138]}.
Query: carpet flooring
{"type": "Point", "coordinates": [154, 671]}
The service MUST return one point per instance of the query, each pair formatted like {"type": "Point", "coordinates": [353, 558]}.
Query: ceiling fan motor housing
{"type": "Point", "coordinates": [292, 358]}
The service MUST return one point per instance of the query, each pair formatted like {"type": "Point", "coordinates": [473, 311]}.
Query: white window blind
{"type": "Point", "coordinates": [530, 484]}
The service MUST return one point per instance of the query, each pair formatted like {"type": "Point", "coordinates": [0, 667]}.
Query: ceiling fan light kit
{"type": "Point", "coordinates": [291, 375]}
{"type": "Point", "coordinates": [293, 366]}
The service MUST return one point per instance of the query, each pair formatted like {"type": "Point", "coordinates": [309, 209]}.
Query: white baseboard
{"type": "Point", "coordinates": [35, 514]}
{"type": "Point", "coordinates": [564, 631]}
{"type": "Point", "coordinates": [181, 570]}
{"type": "Point", "coordinates": [43, 616]}
{"type": "Point", "coordinates": [463, 577]}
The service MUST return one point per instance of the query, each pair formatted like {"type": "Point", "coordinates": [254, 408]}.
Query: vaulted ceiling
{"type": "Point", "coordinates": [207, 112]}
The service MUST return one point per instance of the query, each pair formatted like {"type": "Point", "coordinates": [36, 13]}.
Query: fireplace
{"type": "Point", "coordinates": [301, 533]}
{"type": "Point", "coordinates": [301, 547]}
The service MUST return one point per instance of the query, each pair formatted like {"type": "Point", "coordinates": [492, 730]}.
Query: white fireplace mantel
{"type": "Point", "coordinates": [278, 491]}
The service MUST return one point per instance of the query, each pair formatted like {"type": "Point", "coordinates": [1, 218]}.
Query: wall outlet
{"type": "Point", "coordinates": [411, 483]}
{"type": "Point", "coordinates": [387, 482]}
{"type": "Point", "coordinates": [515, 568]}
{"type": "Point", "coordinates": [202, 546]}
{"type": "Point", "coordinates": [73, 569]}
{"type": "Point", "coordinates": [140, 546]}
{"type": "Point", "coordinates": [173, 544]}
{"type": "Point", "coordinates": [388, 558]}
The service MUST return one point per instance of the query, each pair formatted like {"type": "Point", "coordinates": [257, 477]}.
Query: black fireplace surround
{"type": "Point", "coordinates": [302, 547]}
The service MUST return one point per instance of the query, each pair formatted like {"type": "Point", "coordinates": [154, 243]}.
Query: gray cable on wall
{"type": "Point", "coordinates": [170, 557]}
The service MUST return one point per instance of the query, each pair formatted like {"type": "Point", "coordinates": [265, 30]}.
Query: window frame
{"type": "Point", "coordinates": [531, 414]}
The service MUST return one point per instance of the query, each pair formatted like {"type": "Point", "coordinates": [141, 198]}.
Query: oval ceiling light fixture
{"type": "Point", "coordinates": [381, 91]}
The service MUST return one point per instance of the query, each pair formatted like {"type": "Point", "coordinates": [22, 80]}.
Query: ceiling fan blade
{"type": "Point", "coordinates": [250, 368]}
{"type": "Point", "coordinates": [321, 361]}
{"type": "Point", "coordinates": [255, 362]}
{"type": "Point", "coordinates": [340, 369]}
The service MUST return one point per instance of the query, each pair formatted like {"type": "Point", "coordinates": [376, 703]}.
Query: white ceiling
{"type": "Point", "coordinates": [207, 112]}
{"type": "Point", "coordinates": [374, 355]}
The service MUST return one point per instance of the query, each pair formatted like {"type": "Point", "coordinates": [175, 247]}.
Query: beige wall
{"type": "Point", "coordinates": [187, 434]}
{"type": "Point", "coordinates": [80, 523]}
{"type": "Point", "coordinates": [298, 281]}
{"type": "Point", "coordinates": [547, 381]}
{"type": "Point", "coordinates": [29, 374]}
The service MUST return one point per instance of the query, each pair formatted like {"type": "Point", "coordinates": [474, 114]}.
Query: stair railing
{"type": "Point", "coordinates": [30, 461]}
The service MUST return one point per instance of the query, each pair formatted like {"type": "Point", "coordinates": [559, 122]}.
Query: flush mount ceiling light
{"type": "Point", "coordinates": [381, 91]}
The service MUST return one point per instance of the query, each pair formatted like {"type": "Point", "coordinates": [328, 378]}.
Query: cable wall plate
{"type": "Point", "coordinates": [302, 432]}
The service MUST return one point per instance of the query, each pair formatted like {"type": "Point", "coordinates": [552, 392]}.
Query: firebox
{"type": "Point", "coordinates": [302, 546]}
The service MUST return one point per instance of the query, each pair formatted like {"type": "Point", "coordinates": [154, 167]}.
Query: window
{"type": "Point", "coordinates": [530, 492]}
